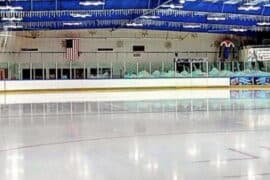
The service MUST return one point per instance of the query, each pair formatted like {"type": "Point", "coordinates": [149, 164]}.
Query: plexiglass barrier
{"type": "Point", "coordinates": [115, 66]}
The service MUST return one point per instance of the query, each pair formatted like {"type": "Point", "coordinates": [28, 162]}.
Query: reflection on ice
{"type": "Point", "coordinates": [208, 135]}
{"type": "Point", "coordinates": [239, 100]}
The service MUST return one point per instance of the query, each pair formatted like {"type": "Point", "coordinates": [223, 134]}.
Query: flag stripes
{"type": "Point", "coordinates": [73, 47]}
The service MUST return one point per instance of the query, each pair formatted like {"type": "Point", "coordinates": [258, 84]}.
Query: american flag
{"type": "Point", "coordinates": [72, 47]}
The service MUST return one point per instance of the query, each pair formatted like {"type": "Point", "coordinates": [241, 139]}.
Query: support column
{"type": "Point", "coordinates": [19, 72]}
{"type": "Point", "coordinates": [207, 68]}
{"type": "Point", "coordinates": [56, 71]}
{"type": "Point", "coordinates": [137, 68]}
{"type": "Point", "coordinates": [70, 70]}
{"type": "Point", "coordinates": [84, 71]}
{"type": "Point", "coordinates": [44, 73]}
{"type": "Point", "coordinates": [191, 69]}
{"type": "Point", "coordinates": [174, 68]}
{"type": "Point", "coordinates": [8, 71]}
{"type": "Point", "coordinates": [97, 70]}
{"type": "Point", "coordinates": [150, 68]}
{"type": "Point", "coordinates": [111, 74]}
{"type": "Point", "coordinates": [124, 70]}
{"type": "Point", "coordinates": [31, 71]}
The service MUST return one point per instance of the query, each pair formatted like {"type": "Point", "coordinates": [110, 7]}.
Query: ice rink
{"type": "Point", "coordinates": [135, 135]}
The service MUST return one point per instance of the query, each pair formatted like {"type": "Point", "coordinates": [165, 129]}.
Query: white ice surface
{"type": "Point", "coordinates": [142, 138]}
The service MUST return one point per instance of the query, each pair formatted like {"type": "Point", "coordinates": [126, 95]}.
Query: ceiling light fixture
{"type": "Point", "coordinates": [92, 3]}
{"type": "Point", "coordinates": [150, 17]}
{"type": "Point", "coordinates": [134, 24]}
{"type": "Point", "coordinates": [263, 23]}
{"type": "Point", "coordinates": [191, 26]}
{"type": "Point", "coordinates": [13, 27]}
{"type": "Point", "coordinates": [172, 6]}
{"type": "Point", "coordinates": [216, 18]}
{"type": "Point", "coordinates": [249, 8]}
{"type": "Point", "coordinates": [238, 30]}
{"type": "Point", "coordinates": [11, 8]}
{"type": "Point", "coordinates": [72, 23]}
{"type": "Point", "coordinates": [211, 1]}
{"type": "Point", "coordinates": [232, 2]}
{"type": "Point", "coordinates": [11, 19]}
{"type": "Point", "coordinates": [256, 2]}
{"type": "Point", "coordinates": [77, 15]}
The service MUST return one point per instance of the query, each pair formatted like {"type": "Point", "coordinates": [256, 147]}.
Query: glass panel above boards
{"type": "Point", "coordinates": [130, 66]}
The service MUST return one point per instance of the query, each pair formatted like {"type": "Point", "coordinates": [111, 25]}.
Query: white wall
{"type": "Point", "coordinates": [154, 41]}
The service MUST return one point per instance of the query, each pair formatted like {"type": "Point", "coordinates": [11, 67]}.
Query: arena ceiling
{"type": "Point", "coordinates": [216, 16]}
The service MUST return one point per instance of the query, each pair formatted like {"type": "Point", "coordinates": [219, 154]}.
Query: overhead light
{"type": "Point", "coordinates": [134, 25]}
{"type": "Point", "coordinates": [78, 15]}
{"type": "Point", "coordinates": [92, 3]}
{"type": "Point", "coordinates": [172, 6]}
{"type": "Point", "coordinates": [150, 17]}
{"type": "Point", "coordinates": [249, 8]}
{"type": "Point", "coordinates": [211, 1]}
{"type": "Point", "coordinates": [263, 23]}
{"type": "Point", "coordinates": [191, 26]}
{"type": "Point", "coordinates": [11, 8]}
{"type": "Point", "coordinates": [232, 2]}
{"type": "Point", "coordinates": [13, 27]}
{"type": "Point", "coordinates": [238, 30]}
{"type": "Point", "coordinates": [256, 2]}
{"type": "Point", "coordinates": [216, 18]}
{"type": "Point", "coordinates": [182, 1]}
{"type": "Point", "coordinates": [250, 4]}
{"type": "Point", "coordinates": [200, 13]}
{"type": "Point", "coordinates": [72, 23]}
{"type": "Point", "coordinates": [11, 19]}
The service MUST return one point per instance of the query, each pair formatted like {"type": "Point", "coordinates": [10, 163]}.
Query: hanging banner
{"type": "Point", "coordinates": [243, 80]}
{"type": "Point", "coordinates": [259, 54]}
{"type": "Point", "coordinates": [248, 80]}
{"type": "Point", "coordinates": [262, 80]}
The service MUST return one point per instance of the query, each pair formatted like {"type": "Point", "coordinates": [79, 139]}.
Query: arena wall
{"type": "Point", "coordinates": [159, 45]}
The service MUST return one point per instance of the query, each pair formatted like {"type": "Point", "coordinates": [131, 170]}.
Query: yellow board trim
{"type": "Point", "coordinates": [112, 89]}
{"type": "Point", "coordinates": [30, 91]}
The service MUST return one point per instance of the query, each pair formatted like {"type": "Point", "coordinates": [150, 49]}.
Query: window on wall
{"type": "Point", "coordinates": [65, 74]}
{"type": "Point", "coordinates": [138, 48]}
{"type": "Point", "coordinates": [26, 74]}
{"type": "Point", "coordinates": [105, 49]}
{"type": "Point", "coordinates": [79, 73]}
{"type": "Point", "coordinates": [101, 72]}
{"type": "Point", "coordinates": [52, 73]}
{"type": "Point", "coordinates": [93, 72]}
{"type": "Point", "coordinates": [37, 74]}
